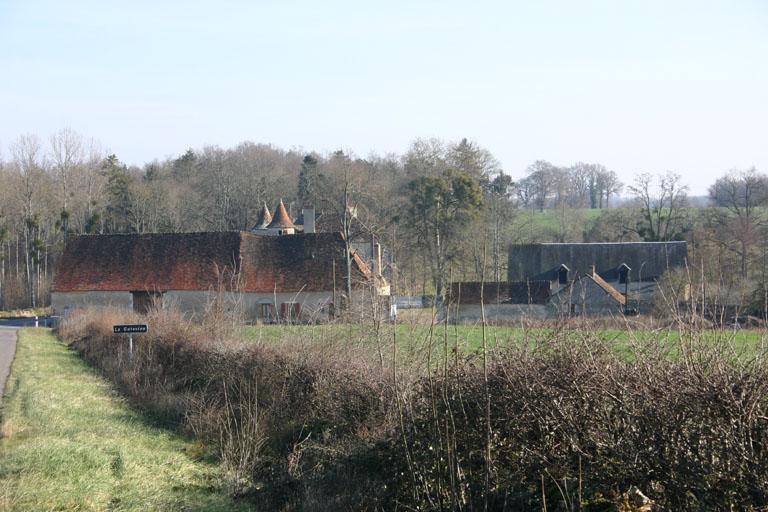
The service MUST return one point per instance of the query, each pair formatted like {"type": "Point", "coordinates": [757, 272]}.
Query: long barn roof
{"type": "Point", "coordinates": [648, 260]}
{"type": "Point", "coordinates": [203, 261]}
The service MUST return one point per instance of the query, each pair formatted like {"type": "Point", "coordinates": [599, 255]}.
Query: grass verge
{"type": "Point", "coordinates": [69, 442]}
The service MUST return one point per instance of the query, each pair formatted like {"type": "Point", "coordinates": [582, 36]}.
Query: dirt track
{"type": "Point", "coordinates": [7, 350]}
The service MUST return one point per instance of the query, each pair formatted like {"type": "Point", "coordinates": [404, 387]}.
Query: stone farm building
{"type": "Point", "coordinates": [300, 277]}
{"type": "Point", "coordinates": [548, 280]}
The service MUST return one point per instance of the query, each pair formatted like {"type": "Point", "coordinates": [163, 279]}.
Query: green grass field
{"type": "Point", "coordinates": [532, 223]}
{"type": "Point", "coordinates": [544, 226]}
{"type": "Point", "coordinates": [414, 339]}
{"type": "Point", "coordinates": [70, 442]}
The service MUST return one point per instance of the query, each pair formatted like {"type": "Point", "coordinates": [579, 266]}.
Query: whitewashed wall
{"type": "Point", "coordinates": [315, 306]}
{"type": "Point", "coordinates": [471, 313]}
{"type": "Point", "coordinates": [60, 300]}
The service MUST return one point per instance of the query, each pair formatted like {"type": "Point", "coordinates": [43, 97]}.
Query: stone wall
{"type": "Point", "coordinates": [499, 313]}
{"type": "Point", "coordinates": [315, 306]}
{"type": "Point", "coordinates": [62, 300]}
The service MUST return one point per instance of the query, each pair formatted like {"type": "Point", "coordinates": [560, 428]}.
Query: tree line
{"type": "Point", "coordinates": [444, 210]}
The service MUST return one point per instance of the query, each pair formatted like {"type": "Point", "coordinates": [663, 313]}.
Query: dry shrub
{"type": "Point", "coordinates": [574, 422]}
{"type": "Point", "coordinates": [282, 419]}
{"type": "Point", "coordinates": [314, 424]}
{"type": "Point", "coordinates": [14, 292]}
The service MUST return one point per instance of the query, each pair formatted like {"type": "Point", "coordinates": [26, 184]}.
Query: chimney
{"type": "Point", "coordinates": [309, 219]}
{"type": "Point", "coordinates": [372, 259]}
{"type": "Point", "coordinates": [376, 256]}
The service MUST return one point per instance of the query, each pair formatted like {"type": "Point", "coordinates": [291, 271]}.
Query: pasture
{"type": "Point", "coordinates": [415, 340]}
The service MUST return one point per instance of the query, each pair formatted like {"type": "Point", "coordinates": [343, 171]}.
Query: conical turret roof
{"type": "Point", "coordinates": [281, 219]}
{"type": "Point", "coordinates": [264, 218]}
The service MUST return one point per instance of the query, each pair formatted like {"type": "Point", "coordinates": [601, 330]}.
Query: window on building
{"type": "Point", "coordinates": [143, 302]}
{"type": "Point", "coordinates": [624, 273]}
{"type": "Point", "coordinates": [562, 274]}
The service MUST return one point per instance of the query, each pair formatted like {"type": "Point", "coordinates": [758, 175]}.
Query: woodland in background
{"type": "Point", "coordinates": [443, 210]}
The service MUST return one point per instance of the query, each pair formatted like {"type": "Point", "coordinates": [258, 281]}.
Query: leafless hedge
{"type": "Point", "coordinates": [561, 422]}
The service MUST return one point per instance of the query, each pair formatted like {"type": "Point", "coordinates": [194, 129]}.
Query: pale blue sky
{"type": "Point", "coordinates": [635, 85]}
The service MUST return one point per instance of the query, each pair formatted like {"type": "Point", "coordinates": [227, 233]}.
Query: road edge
{"type": "Point", "coordinates": [5, 369]}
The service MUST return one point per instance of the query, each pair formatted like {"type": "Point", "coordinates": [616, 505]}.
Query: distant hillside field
{"type": "Point", "coordinates": [542, 226]}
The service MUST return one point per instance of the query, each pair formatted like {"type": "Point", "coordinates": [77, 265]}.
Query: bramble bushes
{"type": "Point", "coordinates": [280, 418]}
{"type": "Point", "coordinates": [302, 425]}
{"type": "Point", "coordinates": [577, 423]}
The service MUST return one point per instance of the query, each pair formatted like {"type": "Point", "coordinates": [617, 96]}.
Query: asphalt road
{"type": "Point", "coordinates": [7, 350]}
{"type": "Point", "coordinates": [43, 321]}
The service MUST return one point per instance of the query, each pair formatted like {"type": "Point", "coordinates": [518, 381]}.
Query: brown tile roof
{"type": "Point", "coordinates": [530, 292]}
{"type": "Point", "coordinates": [264, 218]}
{"type": "Point", "coordinates": [281, 218]}
{"type": "Point", "coordinates": [189, 261]}
{"type": "Point", "coordinates": [297, 262]}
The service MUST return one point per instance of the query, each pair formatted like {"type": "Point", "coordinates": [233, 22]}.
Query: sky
{"type": "Point", "coordinates": [639, 86]}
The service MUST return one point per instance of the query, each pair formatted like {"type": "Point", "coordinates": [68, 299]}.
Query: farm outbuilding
{"type": "Point", "coordinates": [497, 301]}
{"type": "Point", "coordinates": [301, 277]}
{"type": "Point", "coordinates": [647, 260]}
{"type": "Point", "coordinates": [598, 278]}
{"type": "Point", "coordinates": [559, 279]}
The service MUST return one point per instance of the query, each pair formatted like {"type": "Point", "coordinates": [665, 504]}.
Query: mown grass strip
{"type": "Point", "coordinates": [70, 442]}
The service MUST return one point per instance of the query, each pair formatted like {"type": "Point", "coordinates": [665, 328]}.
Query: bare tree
{"type": "Point", "coordinates": [425, 157]}
{"type": "Point", "coordinates": [29, 163]}
{"type": "Point", "coordinates": [561, 186]}
{"type": "Point", "coordinates": [339, 192]}
{"type": "Point", "coordinates": [609, 185]}
{"type": "Point", "coordinates": [525, 192]}
{"type": "Point", "coordinates": [662, 200]}
{"type": "Point", "coordinates": [741, 196]}
{"type": "Point", "coordinates": [581, 178]}
{"type": "Point", "coordinates": [500, 207]}
{"type": "Point", "coordinates": [592, 184]}
{"type": "Point", "coordinates": [542, 176]}
{"type": "Point", "coordinates": [92, 184]}
{"type": "Point", "coordinates": [66, 156]}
